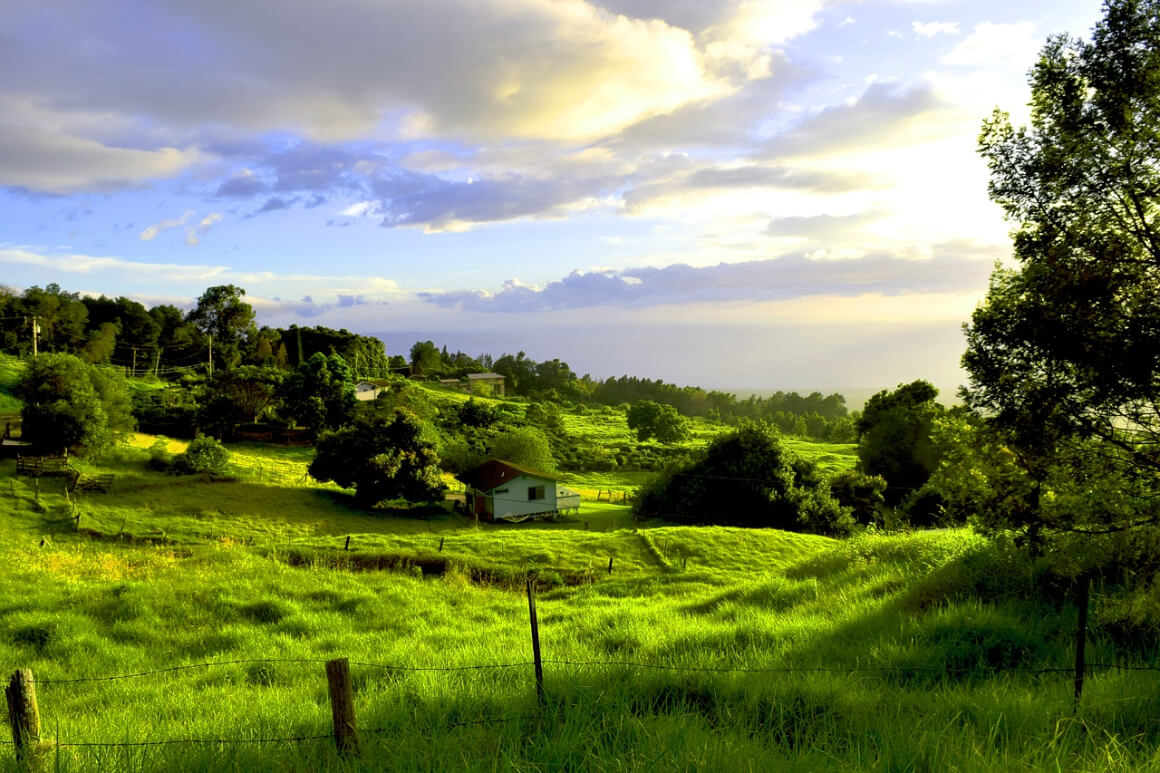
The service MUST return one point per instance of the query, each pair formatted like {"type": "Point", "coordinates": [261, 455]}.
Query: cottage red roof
{"type": "Point", "coordinates": [496, 472]}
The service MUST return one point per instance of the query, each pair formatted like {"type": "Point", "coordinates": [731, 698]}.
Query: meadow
{"type": "Point", "coordinates": [704, 648]}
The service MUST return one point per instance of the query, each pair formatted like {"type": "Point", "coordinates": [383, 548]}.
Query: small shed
{"type": "Point", "coordinates": [501, 491]}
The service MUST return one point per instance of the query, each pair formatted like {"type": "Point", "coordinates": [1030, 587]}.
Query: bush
{"type": "Point", "coordinates": [746, 478]}
{"type": "Point", "coordinates": [204, 455]}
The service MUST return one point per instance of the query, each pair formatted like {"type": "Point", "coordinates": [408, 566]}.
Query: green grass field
{"type": "Point", "coordinates": [704, 649]}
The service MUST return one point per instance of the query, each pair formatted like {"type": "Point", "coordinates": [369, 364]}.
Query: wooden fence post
{"type": "Point", "coordinates": [342, 707]}
{"type": "Point", "coordinates": [441, 544]}
{"type": "Point", "coordinates": [536, 641]}
{"type": "Point", "coordinates": [610, 564]}
{"type": "Point", "coordinates": [347, 546]}
{"type": "Point", "coordinates": [1082, 597]}
{"type": "Point", "coordinates": [23, 714]}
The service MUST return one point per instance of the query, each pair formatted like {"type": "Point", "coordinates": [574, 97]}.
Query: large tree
{"type": "Point", "coordinates": [221, 313]}
{"type": "Point", "coordinates": [70, 404]}
{"type": "Point", "coordinates": [1064, 355]}
{"type": "Point", "coordinates": [383, 454]}
{"type": "Point", "coordinates": [894, 437]}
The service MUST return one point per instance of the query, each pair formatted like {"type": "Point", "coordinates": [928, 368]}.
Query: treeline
{"type": "Point", "coordinates": [166, 341]}
{"type": "Point", "coordinates": [818, 416]}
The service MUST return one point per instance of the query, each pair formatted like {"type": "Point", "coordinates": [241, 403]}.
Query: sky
{"type": "Point", "coordinates": [729, 193]}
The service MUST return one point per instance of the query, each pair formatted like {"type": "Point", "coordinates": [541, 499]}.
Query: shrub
{"type": "Point", "coordinates": [204, 455]}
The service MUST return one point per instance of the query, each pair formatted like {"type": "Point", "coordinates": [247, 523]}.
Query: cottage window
{"type": "Point", "coordinates": [535, 492]}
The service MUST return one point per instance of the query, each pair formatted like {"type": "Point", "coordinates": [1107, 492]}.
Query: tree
{"type": "Point", "coordinates": [746, 478]}
{"type": "Point", "coordinates": [220, 312]}
{"type": "Point", "coordinates": [320, 393]}
{"type": "Point", "coordinates": [525, 446]}
{"type": "Point", "coordinates": [1063, 357]}
{"type": "Point", "coordinates": [659, 420]}
{"type": "Point", "coordinates": [70, 404]}
{"type": "Point", "coordinates": [425, 359]}
{"type": "Point", "coordinates": [862, 493]}
{"type": "Point", "coordinates": [203, 455]}
{"type": "Point", "coordinates": [894, 438]}
{"type": "Point", "coordinates": [382, 455]}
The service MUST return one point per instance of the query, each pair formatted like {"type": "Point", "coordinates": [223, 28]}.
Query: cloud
{"type": "Point", "coordinates": [411, 199]}
{"type": "Point", "coordinates": [730, 121]}
{"type": "Point", "coordinates": [151, 233]}
{"type": "Point", "coordinates": [41, 159]}
{"type": "Point", "coordinates": [348, 69]}
{"type": "Point", "coordinates": [885, 114]}
{"type": "Point", "coordinates": [791, 276]}
{"type": "Point", "coordinates": [822, 228]}
{"type": "Point", "coordinates": [931, 28]}
{"type": "Point", "coordinates": [749, 176]}
{"type": "Point", "coordinates": [990, 43]}
{"type": "Point", "coordinates": [273, 204]}
{"type": "Point", "coordinates": [244, 184]}
{"type": "Point", "coordinates": [193, 235]}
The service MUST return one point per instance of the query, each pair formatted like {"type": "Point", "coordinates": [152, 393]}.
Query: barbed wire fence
{"type": "Point", "coordinates": [24, 717]}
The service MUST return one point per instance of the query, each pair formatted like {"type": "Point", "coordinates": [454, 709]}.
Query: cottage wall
{"type": "Point", "coordinates": [511, 498]}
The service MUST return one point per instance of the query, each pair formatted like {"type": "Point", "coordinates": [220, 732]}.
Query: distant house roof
{"type": "Point", "coordinates": [487, 376]}
{"type": "Point", "coordinates": [495, 472]}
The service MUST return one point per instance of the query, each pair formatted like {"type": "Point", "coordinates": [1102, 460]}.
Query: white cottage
{"type": "Point", "coordinates": [499, 490]}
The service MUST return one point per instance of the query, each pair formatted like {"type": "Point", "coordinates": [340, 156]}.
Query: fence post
{"type": "Point", "coordinates": [347, 546]}
{"type": "Point", "coordinates": [441, 544]}
{"type": "Point", "coordinates": [536, 641]}
{"type": "Point", "coordinates": [610, 564]}
{"type": "Point", "coordinates": [342, 706]}
{"type": "Point", "coordinates": [1082, 596]}
{"type": "Point", "coordinates": [23, 714]}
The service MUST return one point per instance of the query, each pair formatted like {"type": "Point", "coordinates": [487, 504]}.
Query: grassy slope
{"type": "Point", "coordinates": [758, 599]}
{"type": "Point", "coordinates": [11, 370]}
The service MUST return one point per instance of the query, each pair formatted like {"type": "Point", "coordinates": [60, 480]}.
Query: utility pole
{"type": "Point", "coordinates": [133, 373]}
{"type": "Point", "coordinates": [211, 355]}
{"type": "Point", "coordinates": [35, 332]}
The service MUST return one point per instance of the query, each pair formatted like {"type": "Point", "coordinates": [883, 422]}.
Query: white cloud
{"type": "Point", "coordinates": [152, 232]}
{"type": "Point", "coordinates": [931, 28]}
{"type": "Point", "coordinates": [193, 235]}
{"type": "Point", "coordinates": [991, 45]}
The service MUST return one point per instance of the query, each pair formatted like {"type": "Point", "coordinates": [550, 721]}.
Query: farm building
{"type": "Point", "coordinates": [369, 390]}
{"type": "Point", "coordinates": [502, 491]}
{"type": "Point", "coordinates": [477, 384]}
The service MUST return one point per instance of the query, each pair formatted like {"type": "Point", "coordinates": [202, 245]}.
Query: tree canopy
{"type": "Point", "coordinates": [70, 404]}
{"type": "Point", "coordinates": [746, 478]}
{"type": "Point", "coordinates": [659, 420]}
{"type": "Point", "coordinates": [1064, 354]}
{"type": "Point", "coordinates": [382, 454]}
{"type": "Point", "coordinates": [894, 438]}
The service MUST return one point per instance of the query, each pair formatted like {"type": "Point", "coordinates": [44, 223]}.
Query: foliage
{"type": "Point", "coordinates": [204, 455]}
{"type": "Point", "coordinates": [320, 393]}
{"type": "Point", "coordinates": [221, 313]}
{"type": "Point", "coordinates": [525, 446]}
{"type": "Point", "coordinates": [894, 438]}
{"type": "Point", "coordinates": [746, 478]}
{"type": "Point", "coordinates": [475, 413]}
{"type": "Point", "coordinates": [382, 455]}
{"type": "Point", "coordinates": [860, 492]}
{"type": "Point", "coordinates": [657, 420]}
{"type": "Point", "coordinates": [1063, 355]}
{"type": "Point", "coordinates": [70, 404]}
